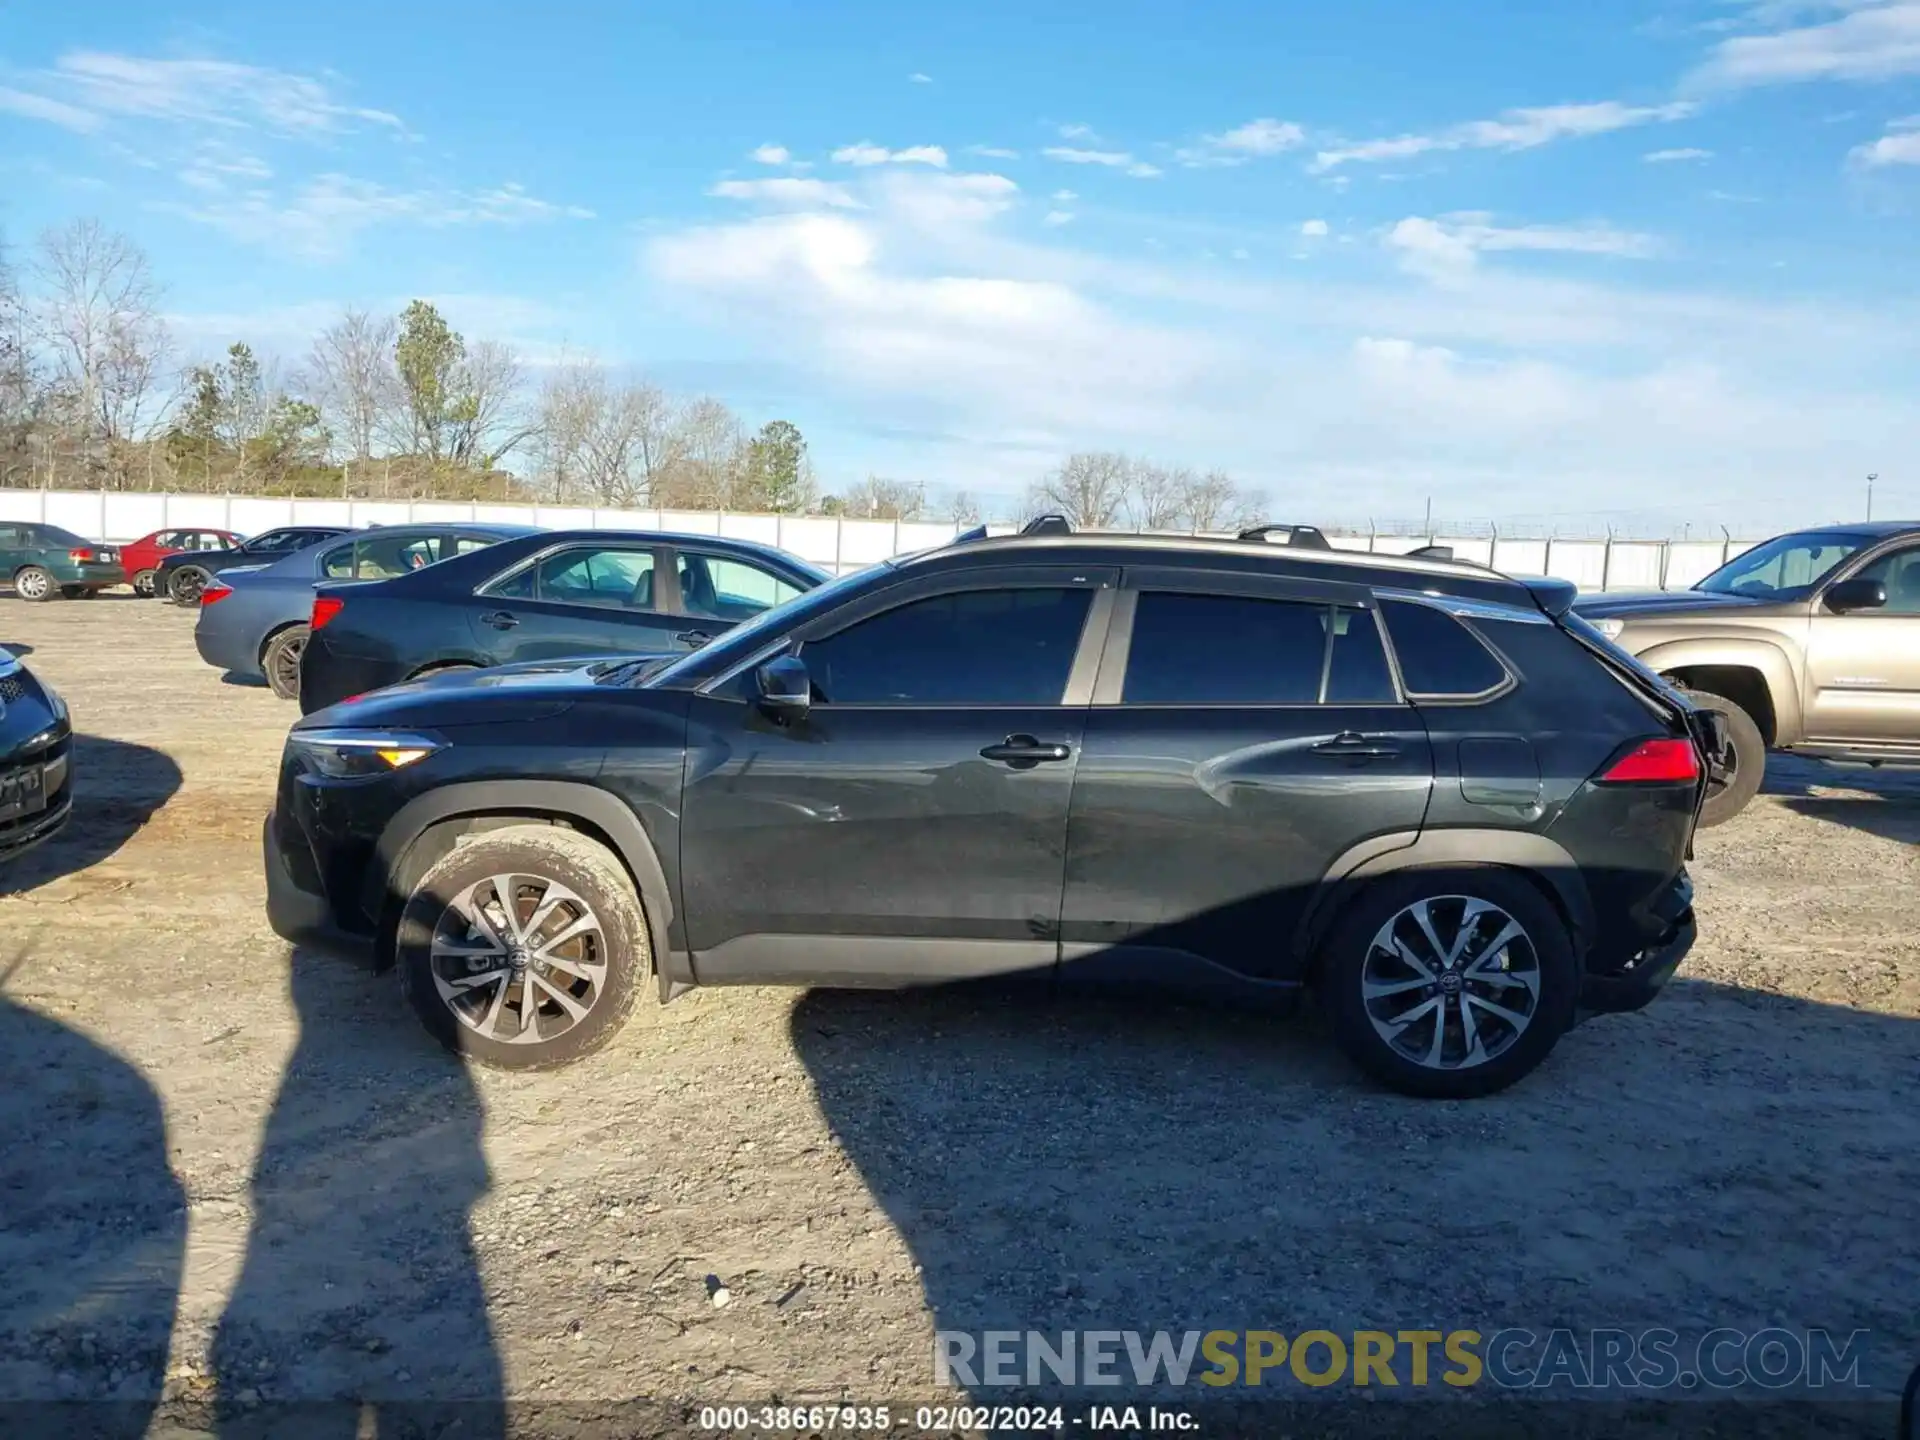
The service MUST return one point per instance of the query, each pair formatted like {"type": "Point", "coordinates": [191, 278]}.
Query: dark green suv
{"type": "Point", "coordinates": [43, 561]}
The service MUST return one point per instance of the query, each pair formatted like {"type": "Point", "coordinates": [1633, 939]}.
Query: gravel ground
{"type": "Point", "coordinates": [245, 1175]}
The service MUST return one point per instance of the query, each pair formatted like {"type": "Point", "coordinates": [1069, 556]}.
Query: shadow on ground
{"type": "Point", "coordinates": [1124, 1166]}
{"type": "Point", "coordinates": [1884, 802]}
{"type": "Point", "coordinates": [117, 787]}
{"type": "Point", "coordinates": [360, 1307]}
{"type": "Point", "coordinates": [84, 1173]}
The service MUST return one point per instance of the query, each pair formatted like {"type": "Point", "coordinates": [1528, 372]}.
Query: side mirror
{"type": "Point", "coordinates": [1861, 594]}
{"type": "Point", "coordinates": [786, 690]}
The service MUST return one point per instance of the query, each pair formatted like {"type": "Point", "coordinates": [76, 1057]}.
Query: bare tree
{"type": "Point", "coordinates": [708, 447]}
{"type": "Point", "coordinates": [1089, 488]}
{"type": "Point", "coordinates": [99, 320]}
{"type": "Point", "coordinates": [963, 508]}
{"type": "Point", "coordinates": [1210, 501]}
{"type": "Point", "coordinates": [595, 440]}
{"type": "Point", "coordinates": [879, 499]}
{"type": "Point", "coordinates": [486, 424]}
{"type": "Point", "coordinates": [349, 374]}
{"type": "Point", "coordinates": [1156, 496]}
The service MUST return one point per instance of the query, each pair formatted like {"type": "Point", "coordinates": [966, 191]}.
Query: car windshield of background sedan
{"type": "Point", "coordinates": [1786, 566]}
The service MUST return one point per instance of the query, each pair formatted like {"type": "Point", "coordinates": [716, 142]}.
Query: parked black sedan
{"type": "Point", "coordinates": [542, 597]}
{"type": "Point", "coordinates": [36, 774]}
{"type": "Point", "coordinates": [180, 578]}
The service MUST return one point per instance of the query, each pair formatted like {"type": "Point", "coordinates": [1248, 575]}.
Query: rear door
{"type": "Point", "coordinates": [582, 599]}
{"type": "Point", "coordinates": [12, 550]}
{"type": "Point", "coordinates": [1245, 731]}
{"type": "Point", "coordinates": [1863, 667]}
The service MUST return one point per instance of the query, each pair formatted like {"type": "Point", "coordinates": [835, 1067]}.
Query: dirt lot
{"type": "Point", "coordinates": [186, 1107]}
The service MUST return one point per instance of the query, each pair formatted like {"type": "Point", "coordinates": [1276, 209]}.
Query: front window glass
{"type": "Point", "coordinates": [1786, 565]}
{"type": "Point", "coordinates": [1900, 573]}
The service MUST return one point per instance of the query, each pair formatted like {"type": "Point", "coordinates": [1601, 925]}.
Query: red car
{"type": "Point", "coordinates": [138, 558]}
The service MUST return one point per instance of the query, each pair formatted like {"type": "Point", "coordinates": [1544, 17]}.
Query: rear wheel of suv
{"type": "Point", "coordinates": [524, 948]}
{"type": "Point", "coordinates": [33, 583]}
{"type": "Point", "coordinates": [1746, 761]}
{"type": "Point", "coordinates": [1449, 983]}
{"type": "Point", "coordinates": [186, 583]}
{"type": "Point", "coordinates": [281, 660]}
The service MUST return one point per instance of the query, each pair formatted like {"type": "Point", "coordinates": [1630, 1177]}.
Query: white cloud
{"type": "Point", "coordinates": [1314, 228]}
{"type": "Point", "coordinates": [1237, 146]}
{"type": "Point", "coordinates": [787, 192]}
{"type": "Point", "coordinates": [1667, 157]}
{"type": "Point", "coordinates": [1112, 159]}
{"type": "Point", "coordinates": [322, 219]}
{"type": "Point", "coordinates": [919, 78]}
{"type": "Point", "coordinates": [1871, 41]}
{"type": "Point", "coordinates": [54, 112]}
{"type": "Point", "coordinates": [1058, 217]}
{"type": "Point", "coordinates": [1077, 132]}
{"type": "Point", "coordinates": [866, 154]}
{"type": "Point", "coordinates": [1448, 247]}
{"type": "Point", "coordinates": [993, 152]}
{"type": "Point", "coordinates": [771, 154]}
{"type": "Point", "coordinates": [1522, 129]}
{"type": "Point", "coordinates": [1899, 146]}
{"type": "Point", "coordinates": [1065, 195]}
{"type": "Point", "coordinates": [215, 93]}
{"type": "Point", "coordinates": [935, 204]}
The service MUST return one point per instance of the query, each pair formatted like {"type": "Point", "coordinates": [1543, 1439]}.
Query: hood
{"type": "Point", "coordinates": [27, 708]}
{"type": "Point", "coordinates": [505, 694]}
{"type": "Point", "coordinates": [1659, 604]}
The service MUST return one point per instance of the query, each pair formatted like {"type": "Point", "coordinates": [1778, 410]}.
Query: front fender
{"type": "Point", "coordinates": [1776, 664]}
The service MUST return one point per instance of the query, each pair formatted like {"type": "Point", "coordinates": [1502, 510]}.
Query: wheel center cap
{"type": "Point", "coordinates": [519, 958]}
{"type": "Point", "coordinates": [1450, 983]}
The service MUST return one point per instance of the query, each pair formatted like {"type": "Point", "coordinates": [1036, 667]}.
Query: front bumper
{"type": "Point", "coordinates": [1633, 984]}
{"type": "Point", "coordinates": [19, 836]}
{"type": "Point", "coordinates": [296, 913]}
{"type": "Point", "coordinates": [224, 653]}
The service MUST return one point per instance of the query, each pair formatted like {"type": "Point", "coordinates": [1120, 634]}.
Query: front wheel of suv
{"type": "Point", "coordinates": [1746, 761]}
{"type": "Point", "coordinates": [1449, 984]}
{"type": "Point", "coordinates": [524, 948]}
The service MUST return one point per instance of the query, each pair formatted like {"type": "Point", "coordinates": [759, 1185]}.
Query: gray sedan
{"type": "Point", "coordinates": [253, 619]}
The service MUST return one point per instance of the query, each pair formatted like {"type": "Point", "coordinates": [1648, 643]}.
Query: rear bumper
{"type": "Point", "coordinates": [1633, 980]}
{"type": "Point", "coordinates": [297, 914]}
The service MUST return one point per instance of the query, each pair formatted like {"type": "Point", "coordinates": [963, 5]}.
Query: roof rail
{"type": "Point", "coordinates": [1049, 524]}
{"type": "Point", "coordinates": [1304, 537]}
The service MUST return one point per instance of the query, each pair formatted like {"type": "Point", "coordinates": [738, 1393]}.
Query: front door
{"type": "Point", "coordinates": [912, 826]}
{"type": "Point", "coordinates": [588, 599]}
{"type": "Point", "coordinates": [1245, 732]}
{"type": "Point", "coordinates": [1863, 668]}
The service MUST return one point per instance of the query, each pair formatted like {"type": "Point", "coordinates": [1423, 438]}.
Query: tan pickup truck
{"type": "Point", "coordinates": [1809, 643]}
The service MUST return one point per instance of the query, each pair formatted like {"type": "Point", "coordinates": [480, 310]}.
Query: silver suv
{"type": "Point", "coordinates": [1808, 643]}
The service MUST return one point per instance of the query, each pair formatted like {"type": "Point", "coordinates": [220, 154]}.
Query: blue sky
{"type": "Point", "coordinates": [1633, 263]}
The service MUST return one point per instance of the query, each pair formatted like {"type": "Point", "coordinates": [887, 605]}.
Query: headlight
{"type": "Point", "coordinates": [1610, 628]}
{"type": "Point", "coordinates": [351, 754]}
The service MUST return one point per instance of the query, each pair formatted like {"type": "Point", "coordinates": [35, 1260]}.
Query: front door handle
{"type": "Point", "coordinates": [500, 619]}
{"type": "Point", "coordinates": [1023, 752]}
{"type": "Point", "coordinates": [694, 639]}
{"type": "Point", "coordinates": [1352, 745]}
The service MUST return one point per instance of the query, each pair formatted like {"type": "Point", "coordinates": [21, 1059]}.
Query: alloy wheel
{"type": "Point", "coordinates": [518, 959]}
{"type": "Point", "coordinates": [33, 585]}
{"type": "Point", "coordinates": [1451, 982]}
{"type": "Point", "coordinates": [286, 666]}
{"type": "Point", "coordinates": [187, 584]}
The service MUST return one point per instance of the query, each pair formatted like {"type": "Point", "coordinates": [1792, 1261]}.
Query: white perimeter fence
{"type": "Point", "coordinates": [831, 542]}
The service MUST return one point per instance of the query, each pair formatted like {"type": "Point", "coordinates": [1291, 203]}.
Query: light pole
{"type": "Point", "coordinates": [1870, 479]}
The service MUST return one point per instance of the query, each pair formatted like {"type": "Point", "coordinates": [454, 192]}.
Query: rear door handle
{"type": "Point", "coordinates": [1352, 745]}
{"type": "Point", "coordinates": [500, 619]}
{"type": "Point", "coordinates": [1023, 751]}
{"type": "Point", "coordinates": [695, 638]}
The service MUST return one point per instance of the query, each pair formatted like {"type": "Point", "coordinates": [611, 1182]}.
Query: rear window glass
{"type": "Point", "coordinates": [1438, 655]}
{"type": "Point", "coordinates": [1242, 650]}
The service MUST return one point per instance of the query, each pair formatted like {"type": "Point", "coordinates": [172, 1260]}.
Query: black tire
{"type": "Point", "coordinates": [142, 583]}
{"type": "Point", "coordinates": [31, 582]}
{"type": "Point", "coordinates": [1515, 1050]}
{"type": "Point", "coordinates": [186, 583]}
{"type": "Point", "coordinates": [1748, 760]}
{"type": "Point", "coordinates": [541, 855]}
{"type": "Point", "coordinates": [280, 660]}
{"type": "Point", "coordinates": [74, 592]}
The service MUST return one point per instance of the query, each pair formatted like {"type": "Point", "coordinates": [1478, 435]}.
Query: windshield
{"type": "Point", "coordinates": [744, 639]}
{"type": "Point", "coordinates": [1786, 565]}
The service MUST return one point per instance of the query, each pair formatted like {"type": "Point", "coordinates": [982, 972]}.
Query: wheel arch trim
{"type": "Point", "coordinates": [398, 852]}
{"type": "Point", "coordinates": [1537, 856]}
{"type": "Point", "coordinates": [1774, 664]}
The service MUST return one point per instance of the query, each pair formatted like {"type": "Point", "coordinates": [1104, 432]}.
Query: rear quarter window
{"type": "Point", "coordinates": [1439, 656]}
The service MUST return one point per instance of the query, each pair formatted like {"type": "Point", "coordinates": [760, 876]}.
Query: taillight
{"type": "Point", "coordinates": [325, 607]}
{"type": "Point", "coordinates": [216, 591]}
{"type": "Point", "coordinates": [80, 557]}
{"type": "Point", "coordinates": [1657, 762]}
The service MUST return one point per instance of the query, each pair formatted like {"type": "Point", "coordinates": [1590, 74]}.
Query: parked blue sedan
{"type": "Point", "coordinates": [253, 619]}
